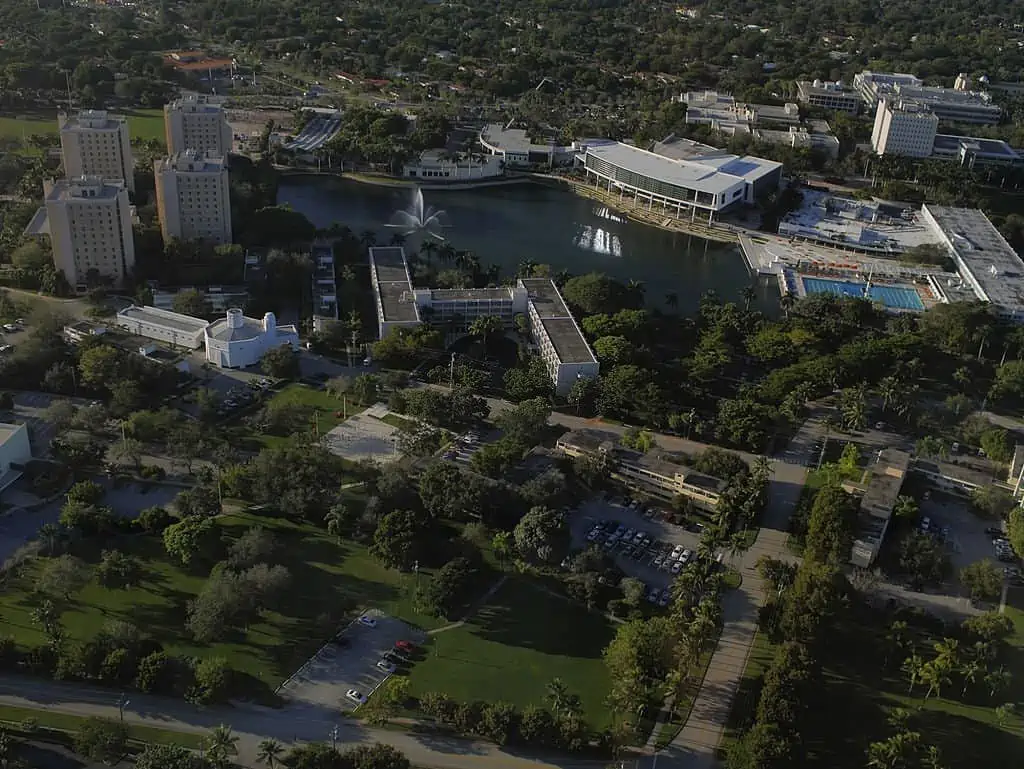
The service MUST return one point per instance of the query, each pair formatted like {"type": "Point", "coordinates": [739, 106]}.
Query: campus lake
{"type": "Point", "coordinates": [511, 224]}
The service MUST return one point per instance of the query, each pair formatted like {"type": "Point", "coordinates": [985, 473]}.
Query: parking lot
{"type": "Point", "coordinates": [350, 662]}
{"type": "Point", "coordinates": [969, 538]}
{"type": "Point", "coordinates": [653, 550]}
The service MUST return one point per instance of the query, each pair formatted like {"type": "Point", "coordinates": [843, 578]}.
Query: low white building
{"type": "Point", "coordinates": [15, 451]}
{"type": "Point", "coordinates": [163, 325]}
{"type": "Point", "coordinates": [437, 165]}
{"type": "Point", "coordinates": [236, 341]}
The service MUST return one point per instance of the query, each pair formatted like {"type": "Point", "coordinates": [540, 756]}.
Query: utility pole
{"type": "Point", "coordinates": [122, 703]}
{"type": "Point", "coordinates": [334, 737]}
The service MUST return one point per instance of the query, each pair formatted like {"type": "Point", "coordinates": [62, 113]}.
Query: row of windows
{"type": "Point", "coordinates": [646, 183]}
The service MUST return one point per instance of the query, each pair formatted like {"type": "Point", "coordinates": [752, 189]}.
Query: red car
{"type": "Point", "coordinates": [404, 646]}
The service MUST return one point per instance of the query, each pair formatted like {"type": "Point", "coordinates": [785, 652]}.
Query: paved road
{"type": "Point", "coordinates": [291, 725]}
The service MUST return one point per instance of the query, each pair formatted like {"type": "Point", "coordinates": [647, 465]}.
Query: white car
{"type": "Point", "coordinates": [367, 621]}
{"type": "Point", "coordinates": [386, 666]}
{"type": "Point", "coordinates": [677, 566]}
{"type": "Point", "coordinates": [677, 551]}
{"type": "Point", "coordinates": [685, 556]}
{"type": "Point", "coordinates": [356, 696]}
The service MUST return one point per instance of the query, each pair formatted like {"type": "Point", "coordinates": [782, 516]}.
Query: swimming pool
{"type": "Point", "coordinates": [895, 297]}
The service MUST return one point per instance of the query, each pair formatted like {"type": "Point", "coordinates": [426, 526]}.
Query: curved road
{"type": "Point", "coordinates": [290, 725]}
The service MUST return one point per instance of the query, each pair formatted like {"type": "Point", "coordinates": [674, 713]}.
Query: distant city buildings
{"type": "Point", "coordinates": [194, 122]}
{"type": "Point", "coordinates": [560, 342]}
{"type": "Point", "coordinates": [94, 143]}
{"type": "Point", "coordinates": [193, 197]}
{"type": "Point", "coordinates": [89, 224]}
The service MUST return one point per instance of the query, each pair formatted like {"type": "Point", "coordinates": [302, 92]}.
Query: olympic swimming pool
{"type": "Point", "coordinates": [895, 297]}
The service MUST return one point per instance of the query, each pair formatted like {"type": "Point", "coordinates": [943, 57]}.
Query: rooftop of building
{"type": "Point", "coordinates": [92, 119]}
{"type": "Point", "coordinates": [175, 321]}
{"type": "Point", "coordinates": [887, 78]}
{"type": "Point", "coordinates": [471, 294]}
{"type": "Point", "coordinates": [824, 87]}
{"type": "Point", "coordinates": [511, 139]}
{"type": "Point", "coordinates": [886, 479]}
{"type": "Point", "coordinates": [991, 261]}
{"type": "Point", "coordinates": [545, 298]}
{"type": "Point", "coordinates": [565, 335]}
{"type": "Point", "coordinates": [192, 161]}
{"type": "Point", "coordinates": [680, 173]}
{"type": "Point", "coordinates": [991, 147]}
{"type": "Point", "coordinates": [82, 188]}
{"type": "Point", "coordinates": [235, 327]}
{"type": "Point", "coordinates": [196, 102]}
{"type": "Point", "coordinates": [975, 473]}
{"type": "Point", "coordinates": [7, 429]}
{"type": "Point", "coordinates": [948, 96]}
{"type": "Point", "coordinates": [393, 283]}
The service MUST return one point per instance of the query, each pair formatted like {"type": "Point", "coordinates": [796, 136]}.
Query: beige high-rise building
{"type": "Point", "coordinates": [192, 197]}
{"type": "Point", "coordinates": [90, 226]}
{"type": "Point", "coordinates": [93, 143]}
{"type": "Point", "coordinates": [195, 123]}
{"type": "Point", "coordinates": [904, 128]}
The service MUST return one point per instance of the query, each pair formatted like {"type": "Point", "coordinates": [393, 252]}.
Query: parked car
{"type": "Point", "coordinates": [356, 696]}
{"type": "Point", "coordinates": [994, 531]}
{"type": "Point", "coordinates": [653, 595]}
{"type": "Point", "coordinates": [405, 646]}
{"type": "Point", "coordinates": [386, 666]}
{"type": "Point", "coordinates": [593, 534]}
{"type": "Point", "coordinates": [665, 597]}
{"type": "Point", "coordinates": [656, 563]}
{"type": "Point", "coordinates": [367, 621]}
{"type": "Point", "coordinates": [677, 566]}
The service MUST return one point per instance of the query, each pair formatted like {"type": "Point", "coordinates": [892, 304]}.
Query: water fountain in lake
{"type": "Point", "coordinates": [426, 222]}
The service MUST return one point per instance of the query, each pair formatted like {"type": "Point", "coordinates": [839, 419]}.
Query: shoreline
{"type": "Point", "coordinates": [638, 214]}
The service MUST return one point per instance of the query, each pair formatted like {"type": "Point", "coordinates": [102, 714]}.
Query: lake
{"type": "Point", "coordinates": [509, 225]}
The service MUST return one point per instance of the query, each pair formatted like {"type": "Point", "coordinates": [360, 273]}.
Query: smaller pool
{"type": "Point", "coordinates": [895, 297]}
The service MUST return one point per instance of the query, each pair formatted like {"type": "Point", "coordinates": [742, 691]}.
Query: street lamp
{"type": "Point", "coordinates": [122, 703]}
{"type": "Point", "coordinates": [334, 737]}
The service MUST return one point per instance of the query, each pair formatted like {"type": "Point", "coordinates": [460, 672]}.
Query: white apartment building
{"type": "Point", "coordinates": [192, 197]}
{"type": "Point", "coordinates": [904, 128]}
{"type": "Point", "coordinates": [958, 104]}
{"type": "Point", "coordinates": [193, 122]}
{"type": "Point", "coordinates": [93, 143]}
{"type": "Point", "coordinates": [89, 222]}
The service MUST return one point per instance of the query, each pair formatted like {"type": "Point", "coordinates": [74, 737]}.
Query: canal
{"type": "Point", "coordinates": [512, 224]}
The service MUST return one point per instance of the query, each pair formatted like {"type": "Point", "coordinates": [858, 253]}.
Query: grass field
{"type": "Point", "coordinates": [324, 408]}
{"type": "Point", "coordinates": [513, 647]}
{"type": "Point", "coordinates": [333, 579]}
{"type": "Point", "coordinates": [142, 124]}
{"type": "Point", "coordinates": [14, 717]}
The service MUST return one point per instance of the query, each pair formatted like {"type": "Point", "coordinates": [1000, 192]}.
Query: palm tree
{"type": "Point", "coordinates": [889, 388]}
{"type": "Point", "coordinates": [672, 300]}
{"type": "Point", "coordinates": [562, 701]}
{"type": "Point", "coordinates": [998, 680]}
{"type": "Point", "coordinates": [884, 755]}
{"type": "Point", "coordinates": [970, 672]}
{"type": "Point", "coordinates": [912, 667]}
{"type": "Point", "coordinates": [50, 535]}
{"type": "Point", "coordinates": [948, 652]}
{"type": "Point", "coordinates": [895, 638]}
{"type": "Point", "coordinates": [269, 752]}
{"type": "Point", "coordinates": [936, 675]}
{"type": "Point", "coordinates": [636, 288]}
{"type": "Point", "coordinates": [221, 745]}
{"type": "Point", "coordinates": [526, 268]}
{"type": "Point", "coordinates": [748, 294]}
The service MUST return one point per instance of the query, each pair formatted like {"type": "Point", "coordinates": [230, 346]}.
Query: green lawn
{"type": "Point", "coordinates": [514, 646]}
{"type": "Point", "coordinates": [14, 718]}
{"type": "Point", "coordinates": [334, 580]}
{"type": "Point", "coordinates": [142, 124]}
{"type": "Point", "coordinates": [325, 409]}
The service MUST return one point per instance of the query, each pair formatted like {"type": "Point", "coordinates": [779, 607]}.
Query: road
{"type": "Point", "coordinates": [291, 725]}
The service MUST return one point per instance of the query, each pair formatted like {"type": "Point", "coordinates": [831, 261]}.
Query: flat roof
{"type": "Point", "coordinates": [545, 297]}
{"type": "Point", "coordinates": [512, 139]}
{"type": "Point", "coordinates": [92, 119]}
{"type": "Point", "coordinates": [8, 429]}
{"type": "Point", "coordinates": [471, 294]}
{"type": "Point", "coordinates": [565, 335]}
{"type": "Point", "coordinates": [157, 317]}
{"type": "Point", "coordinates": [714, 174]}
{"type": "Point", "coordinates": [394, 286]}
{"type": "Point", "coordinates": [84, 188]}
{"type": "Point", "coordinates": [192, 161]}
{"type": "Point", "coordinates": [982, 252]}
{"type": "Point", "coordinates": [952, 142]}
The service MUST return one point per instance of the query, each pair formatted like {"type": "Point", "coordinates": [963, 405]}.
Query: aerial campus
{"type": "Point", "coordinates": [559, 393]}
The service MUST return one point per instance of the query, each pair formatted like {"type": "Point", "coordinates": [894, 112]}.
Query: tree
{"type": "Point", "coordinates": [212, 681]}
{"type": "Point", "coordinates": [118, 570]}
{"type": "Point", "coordinates": [366, 388]}
{"type": "Point", "coordinates": [906, 508]}
{"type": "Point", "coordinates": [997, 681]}
{"type": "Point", "coordinates": [983, 580]}
{"type": "Point", "coordinates": [255, 545]}
{"type": "Point", "coordinates": [98, 366]}
{"type": "Point", "coordinates": [542, 535]}
{"type": "Point", "coordinates": [192, 302]}
{"type": "Point", "coordinates": [997, 444]}
{"type": "Point", "coordinates": [594, 293]}
{"type": "Point", "coordinates": [990, 627]}
{"type": "Point", "coordinates": [562, 701]}
{"type": "Point", "coordinates": [613, 350]}
{"type": "Point", "coordinates": [154, 520]}
{"type": "Point", "coordinates": [269, 752]}
{"type": "Point", "coordinates": [185, 442]}
{"type": "Point", "coordinates": [451, 586]}
{"type": "Point", "coordinates": [168, 757]}
{"type": "Point", "coordinates": [499, 722]}
{"type": "Point", "coordinates": [992, 502]}
{"type": "Point", "coordinates": [923, 559]}
{"type": "Point", "coordinates": [633, 591]}
{"type": "Point", "coordinates": [62, 576]}
{"type": "Point", "coordinates": [190, 538]}
{"type": "Point", "coordinates": [1015, 530]}
{"type": "Point", "coordinates": [60, 414]}
{"type": "Point", "coordinates": [281, 362]}
{"type": "Point", "coordinates": [220, 746]}
{"type": "Point", "coordinates": [399, 539]}
{"type": "Point", "coordinates": [155, 673]}
{"type": "Point", "coordinates": [831, 525]}
{"type": "Point", "coordinates": [486, 328]}
{"type": "Point", "coordinates": [100, 739]}
{"type": "Point", "coordinates": [315, 756]}
{"type": "Point", "coordinates": [376, 756]}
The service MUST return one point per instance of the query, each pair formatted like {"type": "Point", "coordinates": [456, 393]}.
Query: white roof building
{"type": "Point", "coordinates": [163, 325]}
{"type": "Point", "coordinates": [711, 182]}
{"type": "Point", "coordinates": [236, 341]}
{"type": "Point", "coordinates": [958, 104]}
{"type": "Point", "coordinates": [15, 451]}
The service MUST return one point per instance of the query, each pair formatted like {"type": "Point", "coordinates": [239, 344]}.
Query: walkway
{"type": "Point", "coordinates": [695, 745]}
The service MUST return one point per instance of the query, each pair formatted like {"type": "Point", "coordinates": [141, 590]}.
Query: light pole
{"type": "Point", "coordinates": [122, 703]}
{"type": "Point", "coordinates": [334, 737]}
